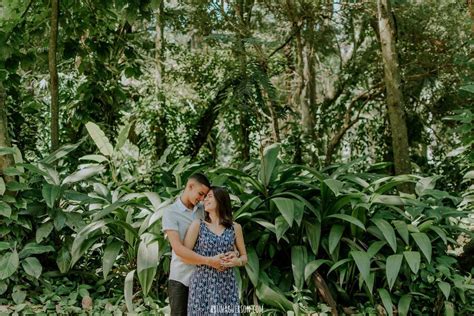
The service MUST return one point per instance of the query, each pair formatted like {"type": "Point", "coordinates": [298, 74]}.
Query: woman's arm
{"type": "Point", "coordinates": [240, 244]}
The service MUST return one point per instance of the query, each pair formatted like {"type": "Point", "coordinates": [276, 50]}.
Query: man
{"type": "Point", "coordinates": [176, 219]}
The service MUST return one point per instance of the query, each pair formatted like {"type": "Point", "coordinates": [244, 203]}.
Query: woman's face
{"type": "Point", "coordinates": [210, 203]}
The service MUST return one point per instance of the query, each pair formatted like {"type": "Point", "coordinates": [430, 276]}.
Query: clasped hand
{"type": "Point", "coordinates": [226, 260]}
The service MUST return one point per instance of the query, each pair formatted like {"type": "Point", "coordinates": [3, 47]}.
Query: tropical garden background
{"type": "Point", "coordinates": [343, 130]}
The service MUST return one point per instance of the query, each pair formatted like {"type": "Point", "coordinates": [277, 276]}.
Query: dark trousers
{"type": "Point", "coordinates": [178, 294]}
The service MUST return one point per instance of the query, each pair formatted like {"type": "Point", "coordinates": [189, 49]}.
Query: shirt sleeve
{"type": "Point", "coordinates": [169, 222]}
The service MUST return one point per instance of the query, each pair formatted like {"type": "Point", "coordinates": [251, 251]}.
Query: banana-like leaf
{"type": "Point", "coordinates": [286, 208]}
{"type": "Point", "coordinates": [252, 267]}
{"type": "Point", "coordinates": [312, 266]}
{"type": "Point", "coordinates": [313, 232]}
{"type": "Point", "coordinates": [273, 296]}
{"type": "Point", "coordinates": [123, 136]}
{"type": "Point", "coordinates": [111, 252]}
{"type": "Point", "coordinates": [335, 236]}
{"type": "Point", "coordinates": [100, 139]}
{"type": "Point", "coordinates": [281, 226]}
{"type": "Point", "coordinates": [128, 290]}
{"type": "Point", "coordinates": [402, 230]}
{"type": "Point", "coordinates": [299, 258]}
{"type": "Point", "coordinates": [80, 244]}
{"type": "Point", "coordinates": [147, 261]}
{"type": "Point", "coordinates": [61, 152]}
{"type": "Point", "coordinates": [83, 174]}
{"type": "Point", "coordinates": [270, 157]}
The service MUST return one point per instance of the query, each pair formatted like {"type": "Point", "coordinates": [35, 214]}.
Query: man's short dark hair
{"type": "Point", "coordinates": [201, 178]}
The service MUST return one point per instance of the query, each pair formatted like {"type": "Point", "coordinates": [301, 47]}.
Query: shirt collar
{"type": "Point", "coordinates": [181, 205]}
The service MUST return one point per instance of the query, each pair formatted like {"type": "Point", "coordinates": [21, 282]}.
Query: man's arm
{"type": "Point", "coordinates": [189, 256]}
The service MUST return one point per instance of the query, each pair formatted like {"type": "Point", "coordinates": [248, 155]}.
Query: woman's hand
{"type": "Point", "coordinates": [231, 259]}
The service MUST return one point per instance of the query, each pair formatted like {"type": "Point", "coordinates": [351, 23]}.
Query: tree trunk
{"type": "Point", "coordinates": [394, 94]}
{"type": "Point", "coordinates": [53, 74]}
{"type": "Point", "coordinates": [158, 127]}
{"type": "Point", "coordinates": [208, 119]}
{"type": "Point", "coordinates": [303, 90]}
{"type": "Point", "coordinates": [5, 160]}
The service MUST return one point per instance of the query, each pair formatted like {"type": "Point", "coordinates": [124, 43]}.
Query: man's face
{"type": "Point", "coordinates": [198, 192]}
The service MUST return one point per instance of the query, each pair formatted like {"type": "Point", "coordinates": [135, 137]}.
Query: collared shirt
{"type": "Point", "coordinates": [178, 217]}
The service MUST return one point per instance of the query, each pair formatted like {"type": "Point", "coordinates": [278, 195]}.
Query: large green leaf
{"type": "Point", "coordinates": [334, 185]}
{"type": "Point", "coordinates": [424, 243]}
{"type": "Point", "coordinates": [387, 231]}
{"type": "Point", "coordinates": [2, 186]}
{"type": "Point", "coordinates": [273, 296]}
{"type": "Point", "coordinates": [312, 266]}
{"type": "Point", "coordinates": [375, 247]}
{"type": "Point", "coordinates": [110, 255]}
{"type": "Point", "coordinates": [270, 156]}
{"type": "Point", "coordinates": [441, 233]}
{"type": "Point", "coordinates": [362, 261]}
{"type": "Point", "coordinates": [286, 208]}
{"type": "Point", "coordinates": [60, 152]}
{"type": "Point", "coordinates": [4, 245]}
{"type": "Point", "coordinates": [299, 258]}
{"type": "Point", "coordinates": [402, 230]}
{"type": "Point", "coordinates": [100, 139]}
{"type": "Point", "coordinates": [83, 174]}
{"type": "Point", "coordinates": [9, 264]}
{"type": "Point", "coordinates": [34, 249]}
{"type": "Point", "coordinates": [32, 267]}
{"type": "Point", "coordinates": [147, 261]}
{"type": "Point", "coordinates": [445, 288]}
{"type": "Point", "coordinates": [413, 258]}
{"type": "Point", "coordinates": [313, 232]}
{"type": "Point", "coordinates": [128, 290]}
{"type": "Point", "coordinates": [338, 264]}
{"type": "Point", "coordinates": [43, 231]}
{"type": "Point", "coordinates": [50, 193]}
{"type": "Point", "coordinates": [387, 199]}
{"type": "Point", "coordinates": [252, 267]}
{"type": "Point", "coordinates": [80, 243]}
{"type": "Point", "coordinates": [425, 184]}
{"type": "Point", "coordinates": [335, 236]}
{"type": "Point", "coordinates": [392, 268]}
{"type": "Point", "coordinates": [63, 260]}
{"type": "Point", "coordinates": [404, 305]}
{"type": "Point", "coordinates": [123, 136]}
{"type": "Point", "coordinates": [349, 219]}
{"type": "Point", "coordinates": [5, 209]}
{"type": "Point", "coordinates": [387, 301]}
{"type": "Point", "coordinates": [281, 226]}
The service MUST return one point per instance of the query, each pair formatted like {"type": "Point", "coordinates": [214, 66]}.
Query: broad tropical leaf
{"type": "Point", "coordinates": [100, 139]}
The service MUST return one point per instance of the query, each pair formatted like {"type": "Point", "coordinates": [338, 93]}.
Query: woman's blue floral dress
{"type": "Point", "coordinates": [212, 292]}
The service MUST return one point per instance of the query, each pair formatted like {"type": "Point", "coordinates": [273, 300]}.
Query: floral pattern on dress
{"type": "Point", "coordinates": [212, 292]}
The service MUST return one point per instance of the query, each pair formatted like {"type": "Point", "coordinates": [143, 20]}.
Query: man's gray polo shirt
{"type": "Point", "coordinates": [177, 217]}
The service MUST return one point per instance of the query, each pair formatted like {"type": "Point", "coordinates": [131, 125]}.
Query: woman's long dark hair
{"type": "Point", "coordinates": [224, 208]}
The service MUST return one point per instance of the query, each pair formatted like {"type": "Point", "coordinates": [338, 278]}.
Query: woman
{"type": "Point", "coordinates": [212, 291]}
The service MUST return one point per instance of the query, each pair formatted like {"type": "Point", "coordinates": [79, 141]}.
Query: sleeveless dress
{"type": "Point", "coordinates": [212, 292]}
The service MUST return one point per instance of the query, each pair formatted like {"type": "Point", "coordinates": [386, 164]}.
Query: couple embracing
{"type": "Point", "coordinates": [206, 245]}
